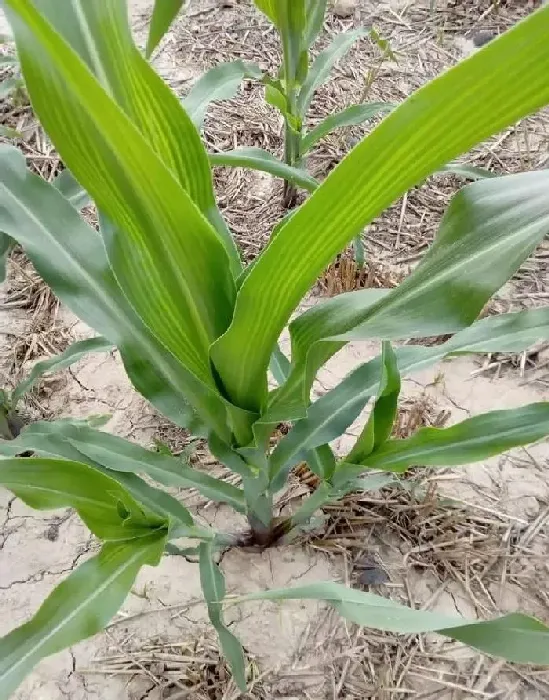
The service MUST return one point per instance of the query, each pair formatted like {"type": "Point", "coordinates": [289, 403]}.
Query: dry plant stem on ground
{"type": "Point", "coordinates": [198, 334]}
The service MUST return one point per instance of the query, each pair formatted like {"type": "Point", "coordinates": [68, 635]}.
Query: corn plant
{"type": "Point", "coordinates": [162, 281]}
{"type": "Point", "coordinates": [11, 421]}
{"type": "Point", "coordinates": [291, 92]}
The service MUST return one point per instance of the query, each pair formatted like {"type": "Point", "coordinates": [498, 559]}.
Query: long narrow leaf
{"type": "Point", "coordinates": [119, 455]}
{"type": "Point", "coordinates": [213, 587]}
{"type": "Point", "coordinates": [164, 13]}
{"type": "Point", "coordinates": [380, 422]}
{"type": "Point", "coordinates": [179, 284]}
{"type": "Point", "coordinates": [78, 608]}
{"type": "Point", "coordinates": [99, 31]}
{"type": "Point", "coordinates": [315, 11]}
{"type": "Point", "coordinates": [515, 637]}
{"type": "Point", "coordinates": [339, 407]}
{"type": "Point", "coordinates": [219, 83]}
{"type": "Point", "coordinates": [323, 64]}
{"type": "Point", "coordinates": [354, 115]}
{"type": "Point", "coordinates": [72, 354]}
{"type": "Point", "coordinates": [70, 256]}
{"type": "Point", "coordinates": [489, 229]}
{"type": "Point", "coordinates": [258, 159]}
{"type": "Point", "coordinates": [105, 506]}
{"type": "Point", "coordinates": [432, 127]}
{"type": "Point", "coordinates": [471, 440]}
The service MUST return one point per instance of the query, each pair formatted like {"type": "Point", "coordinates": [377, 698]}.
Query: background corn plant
{"type": "Point", "coordinates": [163, 282]}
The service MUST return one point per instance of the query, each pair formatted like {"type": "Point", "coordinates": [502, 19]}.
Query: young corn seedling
{"type": "Point", "coordinates": [11, 421]}
{"type": "Point", "coordinates": [291, 92]}
{"type": "Point", "coordinates": [163, 282]}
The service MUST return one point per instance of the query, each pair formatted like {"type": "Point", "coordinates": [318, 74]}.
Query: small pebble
{"type": "Point", "coordinates": [482, 38]}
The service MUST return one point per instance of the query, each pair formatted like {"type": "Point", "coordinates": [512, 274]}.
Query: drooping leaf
{"type": "Point", "coordinates": [471, 440]}
{"type": "Point", "coordinates": [323, 64]}
{"type": "Point", "coordinates": [380, 422]}
{"type": "Point", "coordinates": [181, 285]}
{"type": "Point", "coordinates": [354, 115]}
{"type": "Point", "coordinates": [72, 354]}
{"type": "Point", "coordinates": [489, 229]}
{"type": "Point", "coordinates": [164, 13]}
{"type": "Point", "coordinates": [219, 83]}
{"type": "Point", "coordinates": [515, 637]}
{"type": "Point", "coordinates": [213, 588]}
{"type": "Point", "coordinates": [78, 608]}
{"type": "Point", "coordinates": [46, 440]}
{"type": "Point", "coordinates": [119, 455]}
{"type": "Point", "coordinates": [107, 508]}
{"type": "Point", "coordinates": [70, 256]}
{"type": "Point", "coordinates": [431, 128]}
{"type": "Point", "coordinates": [258, 159]}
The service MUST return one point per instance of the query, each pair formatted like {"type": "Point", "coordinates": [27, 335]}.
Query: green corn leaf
{"type": "Point", "coordinates": [380, 423]}
{"type": "Point", "coordinates": [358, 250]}
{"type": "Point", "coordinates": [323, 64]}
{"type": "Point", "coordinates": [213, 588]}
{"type": "Point", "coordinates": [314, 12]}
{"type": "Point", "coordinates": [219, 83]}
{"type": "Point", "coordinates": [512, 332]}
{"type": "Point", "coordinates": [323, 493]}
{"type": "Point", "coordinates": [98, 30]}
{"type": "Point", "coordinates": [119, 455]}
{"type": "Point", "coordinates": [321, 461]}
{"type": "Point", "coordinates": [471, 440]}
{"type": "Point", "coordinates": [280, 365]}
{"type": "Point", "coordinates": [71, 189]}
{"type": "Point", "coordinates": [70, 256]}
{"type": "Point", "coordinates": [164, 13]}
{"type": "Point", "coordinates": [326, 420]}
{"type": "Point", "coordinates": [78, 608]}
{"type": "Point", "coordinates": [289, 17]}
{"type": "Point", "coordinates": [106, 507]}
{"type": "Point", "coordinates": [6, 246]}
{"type": "Point", "coordinates": [268, 8]}
{"type": "Point", "coordinates": [515, 637]}
{"type": "Point", "coordinates": [275, 96]}
{"type": "Point", "coordinates": [48, 442]}
{"type": "Point", "coordinates": [181, 285]}
{"type": "Point", "coordinates": [338, 408]}
{"type": "Point", "coordinates": [470, 172]}
{"type": "Point", "coordinates": [354, 115]}
{"type": "Point", "coordinates": [258, 159]}
{"type": "Point", "coordinates": [489, 229]}
{"type": "Point", "coordinates": [432, 127]}
{"type": "Point", "coordinates": [54, 364]}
